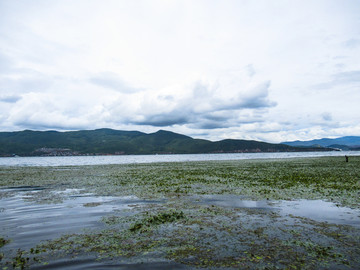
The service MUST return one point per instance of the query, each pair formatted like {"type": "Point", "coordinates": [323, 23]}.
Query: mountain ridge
{"type": "Point", "coordinates": [344, 143]}
{"type": "Point", "coordinates": [107, 141]}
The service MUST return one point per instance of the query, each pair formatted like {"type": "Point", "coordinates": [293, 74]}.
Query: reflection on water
{"type": "Point", "coordinates": [133, 159]}
{"type": "Point", "coordinates": [27, 223]}
{"type": "Point", "coordinates": [321, 211]}
{"type": "Point", "coordinates": [89, 263]}
{"type": "Point", "coordinates": [317, 210]}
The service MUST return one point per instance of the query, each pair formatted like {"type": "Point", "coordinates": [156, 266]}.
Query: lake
{"type": "Point", "coordinates": [133, 159]}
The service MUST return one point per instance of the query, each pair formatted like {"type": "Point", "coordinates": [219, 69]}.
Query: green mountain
{"type": "Point", "coordinates": [109, 141]}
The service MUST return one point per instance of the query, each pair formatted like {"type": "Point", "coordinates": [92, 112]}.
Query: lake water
{"type": "Point", "coordinates": [319, 210]}
{"type": "Point", "coordinates": [27, 223]}
{"type": "Point", "coordinates": [133, 159]}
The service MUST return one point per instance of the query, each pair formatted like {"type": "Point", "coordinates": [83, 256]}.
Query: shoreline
{"type": "Point", "coordinates": [137, 159]}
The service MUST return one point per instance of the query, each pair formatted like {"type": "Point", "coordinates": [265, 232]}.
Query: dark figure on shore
{"type": "Point", "coordinates": [346, 158]}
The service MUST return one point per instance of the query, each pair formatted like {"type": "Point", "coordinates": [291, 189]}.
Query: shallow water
{"type": "Point", "coordinates": [134, 159]}
{"type": "Point", "coordinates": [317, 210]}
{"type": "Point", "coordinates": [27, 223]}
{"type": "Point", "coordinates": [90, 263]}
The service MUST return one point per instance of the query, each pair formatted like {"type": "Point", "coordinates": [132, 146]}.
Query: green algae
{"type": "Point", "coordinates": [3, 242]}
{"type": "Point", "coordinates": [160, 218]}
{"type": "Point", "coordinates": [217, 237]}
{"type": "Point", "coordinates": [207, 236]}
{"type": "Point", "coordinates": [92, 204]}
{"type": "Point", "coordinates": [327, 178]}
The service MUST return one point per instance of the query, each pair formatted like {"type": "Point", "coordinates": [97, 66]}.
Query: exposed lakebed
{"type": "Point", "coordinates": [181, 216]}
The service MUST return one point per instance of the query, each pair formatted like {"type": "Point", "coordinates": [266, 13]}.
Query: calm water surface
{"type": "Point", "coordinates": [318, 210]}
{"type": "Point", "coordinates": [28, 223]}
{"type": "Point", "coordinates": [130, 159]}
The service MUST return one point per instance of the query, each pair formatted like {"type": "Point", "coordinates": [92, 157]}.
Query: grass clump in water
{"type": "Point", "coordinates": [161, 218]}
{"type": "Point", "coordinates": [3, 242]}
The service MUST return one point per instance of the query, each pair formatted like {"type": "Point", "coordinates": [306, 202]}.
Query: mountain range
{"type": "Point", "coordinates": [343, 143]}
{"type": "Point", "coordinates": [117, 142]}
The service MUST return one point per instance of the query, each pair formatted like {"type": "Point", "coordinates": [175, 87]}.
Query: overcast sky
{"type": "Point", "coordinates": [246, 69]}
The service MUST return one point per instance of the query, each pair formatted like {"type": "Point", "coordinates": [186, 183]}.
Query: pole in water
{"type": "Point", "coordinates": [346, 158]}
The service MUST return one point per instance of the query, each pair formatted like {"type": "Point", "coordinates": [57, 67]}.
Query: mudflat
{"type": "Point", "coordinates": [301, 213]}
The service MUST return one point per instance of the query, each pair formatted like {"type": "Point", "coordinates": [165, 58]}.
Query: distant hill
{"type": "Point", "coordinates": [344, 143]}
{"type": "Point", "coordinates": [117, 142]}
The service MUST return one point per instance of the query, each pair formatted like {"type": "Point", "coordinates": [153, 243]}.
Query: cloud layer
{"type": "Point", "coordinates": [235, 69]}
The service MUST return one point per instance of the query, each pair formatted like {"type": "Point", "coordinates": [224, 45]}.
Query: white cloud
{"type": "Point", "coordinates": [112, 81]}
{"type": "Point", "coordinates": [247, 69]}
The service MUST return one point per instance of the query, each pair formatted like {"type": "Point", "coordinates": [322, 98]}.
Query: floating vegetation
{"type": "Point", "coordinates": [3, 242]}
{"type": "Point", "coordinates": [325, 178]}
{"type": "Point", "coordinates": [92, 204]}
{"type": "Point", "coordinates": [186, 226]}
{"type": "Point", "coordinates": [209, 238]}
{"type": "Point", "coordinates": [161, 218]}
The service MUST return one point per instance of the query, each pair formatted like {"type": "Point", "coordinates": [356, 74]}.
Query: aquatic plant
{"type": "Point", "coordinates": [161, 218]}
{"type": "Point", "coordinates": [206, 235]}
{"type": "Point", "coordinates": [3, 242]}
{"type": "Point", "coordinates": [20, 261]}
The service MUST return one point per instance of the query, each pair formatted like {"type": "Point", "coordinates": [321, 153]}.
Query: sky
{"type": "Point", "coordinates": [245, 69]}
